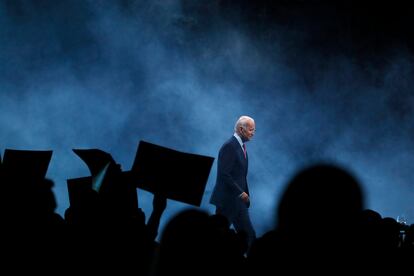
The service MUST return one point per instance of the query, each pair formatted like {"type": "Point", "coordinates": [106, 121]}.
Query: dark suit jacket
{"type": "Point", "coordinates": [231, 179]}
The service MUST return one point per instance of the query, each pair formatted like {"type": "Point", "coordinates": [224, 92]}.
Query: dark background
{"type": "Point", "coordinates": [324, 80]}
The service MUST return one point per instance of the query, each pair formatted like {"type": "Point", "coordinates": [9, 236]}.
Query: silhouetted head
{"type": "Point", "coordinates": [219, 221]}
{"type": "Point", "coordinates": [320, 199]}
{"type": "Point", "coordinates": [186, 245]}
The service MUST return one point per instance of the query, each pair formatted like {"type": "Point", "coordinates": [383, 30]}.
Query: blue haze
{"type": "Point", "coordinates": [106, 74]}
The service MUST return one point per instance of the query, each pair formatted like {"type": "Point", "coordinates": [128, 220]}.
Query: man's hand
{"type": "Point", "coordinates": [245, 197]}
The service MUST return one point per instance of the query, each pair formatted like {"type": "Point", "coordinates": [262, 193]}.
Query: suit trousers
{"type": "Point", "coordinates": [242, 223]}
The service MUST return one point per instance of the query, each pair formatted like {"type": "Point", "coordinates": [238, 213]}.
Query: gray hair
{"type": "Point", "coordinates": [242, 121]}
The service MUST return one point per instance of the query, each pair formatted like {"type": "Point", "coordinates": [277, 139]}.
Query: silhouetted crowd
{"type": "Point", "coordinates": [321, 226]}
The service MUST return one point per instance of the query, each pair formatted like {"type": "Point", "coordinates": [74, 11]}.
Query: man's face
{"type": "Point", "coordinates": [249, 130]}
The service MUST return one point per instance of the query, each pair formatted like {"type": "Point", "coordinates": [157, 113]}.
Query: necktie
{"type": "Point", "coordinates": [244, 150]}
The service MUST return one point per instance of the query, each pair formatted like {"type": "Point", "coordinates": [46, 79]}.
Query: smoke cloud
{"type": "Point", "coordinates": [100, 74]}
